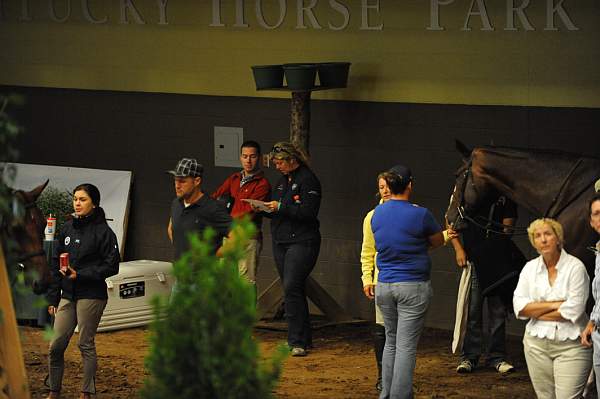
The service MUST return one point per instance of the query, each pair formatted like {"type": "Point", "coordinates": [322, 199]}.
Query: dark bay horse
{"type": "Point", "coordinates": [24, 226]}
{"type": "Point", "coordinates": [547, 183]}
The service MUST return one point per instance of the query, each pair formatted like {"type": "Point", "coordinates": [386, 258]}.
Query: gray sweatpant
{"type": "Point", "coordinates": [86, 314]}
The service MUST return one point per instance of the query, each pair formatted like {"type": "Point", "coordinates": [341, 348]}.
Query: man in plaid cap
{"type": "Point", "coordinates": [192, 210]}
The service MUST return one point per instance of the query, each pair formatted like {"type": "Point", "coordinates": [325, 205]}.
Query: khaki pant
{"type": "Point", "coordinates": [86, 314]}
{"type": "Point", "coordinates": [558, 369]}
{"type": "Point", "coordinates": [248, 265]}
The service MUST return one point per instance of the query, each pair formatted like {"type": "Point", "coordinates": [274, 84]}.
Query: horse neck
{"type": "Point", "coordinates": [529, 182]}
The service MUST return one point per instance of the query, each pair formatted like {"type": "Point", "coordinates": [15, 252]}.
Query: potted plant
{"type": "Point", "coordinates": [268, 76]}
{"type": "Point", "coordinates": [333, 74]}
{"type": "Point", "coordinates": [300, 76]}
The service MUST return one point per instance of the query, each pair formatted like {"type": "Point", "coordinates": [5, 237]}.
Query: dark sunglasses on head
{"type": "Point", "coordinates": [277, 148]}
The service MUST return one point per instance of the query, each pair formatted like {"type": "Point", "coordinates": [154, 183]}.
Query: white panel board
{"type": "Point", "coordinates": [113, 185]}
{"type": "Point", "coordinates": [227, 146]}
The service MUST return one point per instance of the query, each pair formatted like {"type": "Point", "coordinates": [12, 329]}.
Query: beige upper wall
{"type": "Point", "coordinates": [404, 61]}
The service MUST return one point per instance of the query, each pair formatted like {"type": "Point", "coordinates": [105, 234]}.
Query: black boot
{"type": "Point", "coordinates": [378, 344]}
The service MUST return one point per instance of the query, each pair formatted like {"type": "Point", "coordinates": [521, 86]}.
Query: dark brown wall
{"type": "Point", "coordinates": [350, 143]}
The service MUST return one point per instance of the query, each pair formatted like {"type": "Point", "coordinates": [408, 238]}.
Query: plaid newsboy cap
{"type": "Point", "coordinates": [187, 167]}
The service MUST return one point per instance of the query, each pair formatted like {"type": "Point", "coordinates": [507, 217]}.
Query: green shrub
{"type": "Point", "coordinates": [56, 202]}
{"type": "Point", "coordinates": [201, 340]}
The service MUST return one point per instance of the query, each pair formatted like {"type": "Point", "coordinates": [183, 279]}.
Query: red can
{"type": "Point", "coordinates": [64, 262]}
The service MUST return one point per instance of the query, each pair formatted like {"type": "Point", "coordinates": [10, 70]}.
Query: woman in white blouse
{"type": "Point", "coordinates": [552, 292]}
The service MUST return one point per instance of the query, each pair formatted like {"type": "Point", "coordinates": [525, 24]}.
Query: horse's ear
{"type": "Point", "coordinates": [460, 147]}
{"type": "Point", "coordinates": [35, 193]}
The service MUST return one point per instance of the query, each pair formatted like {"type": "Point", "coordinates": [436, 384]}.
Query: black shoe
{"type": "Point", "coordinates": [378, 344]}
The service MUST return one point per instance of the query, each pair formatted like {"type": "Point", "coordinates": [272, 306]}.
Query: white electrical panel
{"type": "Point", "coordinates": [227, 146]}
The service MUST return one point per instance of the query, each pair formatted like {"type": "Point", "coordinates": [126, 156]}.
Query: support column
{"type": "Point", "coordinates": [272, 297]}
{"type": "Point", "coordinates": [300, 121]}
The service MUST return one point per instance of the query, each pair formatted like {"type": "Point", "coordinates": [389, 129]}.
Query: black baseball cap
{"type": "Point", "coordinates": [403, 172]}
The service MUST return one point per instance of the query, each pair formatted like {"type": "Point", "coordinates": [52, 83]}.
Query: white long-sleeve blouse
{"type": "Point", "coordinates": [571, 285]}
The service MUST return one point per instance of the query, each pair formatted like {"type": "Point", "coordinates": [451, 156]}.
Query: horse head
{"type": "Point", "coordinates": [26, 228]}
{"type": "Point", "coordinates": [547, 183]}
{"type": "Point", "coordinates": [469, 189]}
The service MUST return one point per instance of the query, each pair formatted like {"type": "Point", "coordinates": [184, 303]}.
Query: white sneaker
{"type": "Point", "coordinates": [298, 352]}
{"type": "Point", "coordinates": [504, 367]}
{"type": "Point", "coordinates": [465, 366]}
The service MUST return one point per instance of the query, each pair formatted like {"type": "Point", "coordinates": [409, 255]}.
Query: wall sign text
{"type": "Point", "coordinates": [334, 15]}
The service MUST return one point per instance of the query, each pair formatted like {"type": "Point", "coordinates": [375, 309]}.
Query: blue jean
{"type": "Point", "coordinates": [294, 263]}
{"type": "Point", "coordinates": [404, 306]}
{"type": "Point", "coordinates": [473, 342]}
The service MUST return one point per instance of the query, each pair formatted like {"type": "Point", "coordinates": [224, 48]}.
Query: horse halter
{"type": "Point", "coordinates": [489, 225]}
{"type": "Point", "coordinates": [462, 214]}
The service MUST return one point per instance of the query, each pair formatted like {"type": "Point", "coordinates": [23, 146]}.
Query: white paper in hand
{"type": "Point", "coordinates": [260, 205]}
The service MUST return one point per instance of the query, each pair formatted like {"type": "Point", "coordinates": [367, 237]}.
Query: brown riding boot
{"type": "Point", "coordinates": [53, 395]}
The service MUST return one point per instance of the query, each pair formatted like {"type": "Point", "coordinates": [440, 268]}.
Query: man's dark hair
{"type": "Point", "coordinates": [250, 144]}
{"type": "Point", "coordinates": [595, 197]}
{"type": "Point", "coordinates": [395, 183]}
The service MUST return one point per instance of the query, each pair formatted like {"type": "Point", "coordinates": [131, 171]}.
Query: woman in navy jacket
{"type": "Point", "coordinates": [77, 295]}
{"type": "Point", "coordinates": [296, 237]}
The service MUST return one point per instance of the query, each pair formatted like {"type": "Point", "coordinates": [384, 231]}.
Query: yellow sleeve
{"type": "Point", "coordinates": [368, 252]}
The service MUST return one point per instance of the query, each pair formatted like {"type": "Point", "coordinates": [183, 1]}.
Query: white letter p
{"type": "Point", "coordinates": [435, 13]}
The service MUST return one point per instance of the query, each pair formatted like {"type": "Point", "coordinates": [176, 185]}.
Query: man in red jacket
{"type": "Point", "coordinates": [249, 183]}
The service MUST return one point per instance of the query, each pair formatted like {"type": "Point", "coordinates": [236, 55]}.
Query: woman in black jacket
{"type": "Point", "coordinates": [77, 294]}
{"type": "Point", "coordinates": [296, 237]}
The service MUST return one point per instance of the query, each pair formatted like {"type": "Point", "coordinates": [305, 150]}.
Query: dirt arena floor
{"type": "Point", "coordinates": [341, 365]}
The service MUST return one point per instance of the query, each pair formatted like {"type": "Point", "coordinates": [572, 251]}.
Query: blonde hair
{"type": "Point", "coordinates": [554, 225]}
{"type": "Point", "coordinates": [285, 150]}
